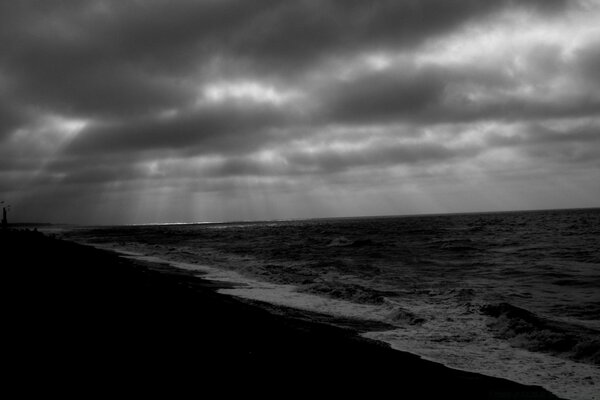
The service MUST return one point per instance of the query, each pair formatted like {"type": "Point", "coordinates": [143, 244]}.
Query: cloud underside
{"type": "Point", "coordinates": [195, 97]}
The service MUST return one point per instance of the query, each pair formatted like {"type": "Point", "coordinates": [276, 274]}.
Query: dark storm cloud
{"type": "Point", "coordinates": [101, 174]}
{"type": "Point", "coordinates": [300, 32]}
{"type": "Point", "coordinates": [440, 94]}
{"type": "Point", "coordinates": [589, 63]}
{"type": "Point", "coordinates": [295, 30]}
{"type": "Point", "coordinates": [72, 76]}
{"type": "Point", "coordinates": [106, 58]}
{"type": "Point", "coordinates": [97, 58]}
{"type": "Point", "coordinates": [384, 96]}
{"type": "Point", "coordinates": [102, 91]}
{"type": "Point", "coordinates": [103, 57]}
{"type": "Point", "coordinates": [205, 131]}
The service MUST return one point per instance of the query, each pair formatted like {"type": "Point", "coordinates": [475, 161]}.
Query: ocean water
{"type": "Point", "coordinates": [514, 295]}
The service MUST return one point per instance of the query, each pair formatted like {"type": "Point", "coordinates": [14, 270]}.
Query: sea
{"type": "Point", "coordinates": [514, 295]}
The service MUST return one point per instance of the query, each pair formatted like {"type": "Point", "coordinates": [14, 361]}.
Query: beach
{"type": "Point", "coordinates": [81, 318]}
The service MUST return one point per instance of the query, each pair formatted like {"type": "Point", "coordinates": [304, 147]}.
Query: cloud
{"type": "Point", "coordinates": [294, 33]}
{"type": "Point", "coordinates": [574, 143]}
{"type": "Point", "coordinates": [207, 130]}
{"type": "Point", "coordinates": [11, 117]}
{"type": "Point", "coordinates": [107, 59]}
{"type": "Point", "coordinates": [384, 96]}
{"type": "Point", "coordinates": [588, 64]}
{"type": "Point", "coordinates": [129, 97]}
{"type": "Point", "coordinates": [331, 160]}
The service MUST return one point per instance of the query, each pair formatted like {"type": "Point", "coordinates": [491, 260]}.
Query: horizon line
{"type": "Point", "coordinates": [248, 221]}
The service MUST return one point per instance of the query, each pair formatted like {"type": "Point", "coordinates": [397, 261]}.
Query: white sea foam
{"type": "Point", "coordinates": [277, 294]}
{"type": "Point", "coordinates": [462, 341]}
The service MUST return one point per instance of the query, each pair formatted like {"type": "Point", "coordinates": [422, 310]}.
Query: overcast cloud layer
{"type": "Point", "coordinates": [155, 111]}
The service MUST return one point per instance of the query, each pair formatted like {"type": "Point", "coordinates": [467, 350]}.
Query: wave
{"type": "Point", "coordinates": [587, 311]}
{"type": "Point", "coordinates": [343, 241]}
{"type": "Point", "coordinates": [347, 291]}
{"type": "Point", "coordinates": [403, 316]}
{"type": "Point", "coordinates": [454, 245]}
{"type": "Point", "coordinates": [522, 328]}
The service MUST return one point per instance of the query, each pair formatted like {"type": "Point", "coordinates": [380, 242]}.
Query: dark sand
{"type": "Point", "coordinates": [82, 321]}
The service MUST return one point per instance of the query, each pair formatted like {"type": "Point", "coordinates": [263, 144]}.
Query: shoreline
{"type": "Point", "coordinates": [114, 320]}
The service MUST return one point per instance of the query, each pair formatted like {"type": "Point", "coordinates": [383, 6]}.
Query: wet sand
{"type": "Point", "coordinates": [83, 321]}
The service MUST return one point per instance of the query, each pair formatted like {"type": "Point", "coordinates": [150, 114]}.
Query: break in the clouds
{"type": "Point", "coordinates": [156, 111]}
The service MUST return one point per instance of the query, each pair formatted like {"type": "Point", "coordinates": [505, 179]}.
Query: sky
{"type": "Point", "coordinates": [133, 111]}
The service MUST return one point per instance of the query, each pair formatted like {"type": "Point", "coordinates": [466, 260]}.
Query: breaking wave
{"type": "Point", "coordinates": [347, 291]}
{"type": "Point", "coordinates": [524, 329]}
